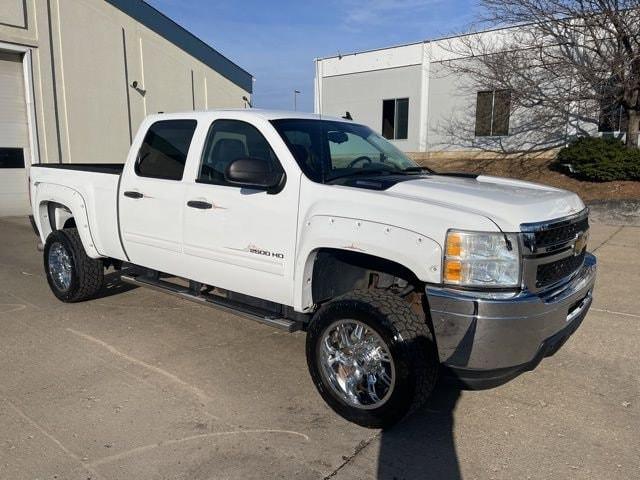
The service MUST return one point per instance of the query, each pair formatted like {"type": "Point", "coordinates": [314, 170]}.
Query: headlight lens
{"type": "Point", "coordinates": [481, 259]}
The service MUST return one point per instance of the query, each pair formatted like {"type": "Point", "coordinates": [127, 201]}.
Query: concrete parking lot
{"type": "Point", "coordinates": [140, 385]}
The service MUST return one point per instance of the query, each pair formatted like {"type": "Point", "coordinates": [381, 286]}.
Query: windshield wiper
{"type": "Point", "coordinates": [417, 169]}
{"type": "Point", "coordinates": [363, 171]}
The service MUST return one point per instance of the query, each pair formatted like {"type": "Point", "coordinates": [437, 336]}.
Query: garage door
{"type": "Point", "coordinates": [14, 137]}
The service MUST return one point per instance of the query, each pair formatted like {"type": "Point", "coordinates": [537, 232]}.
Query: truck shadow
{"type": "Point", "coordinates": [113, 285]}
{"type": "Point", "coordinates": [422, 446]}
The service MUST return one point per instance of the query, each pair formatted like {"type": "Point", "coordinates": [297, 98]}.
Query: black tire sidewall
{"type": "Point", "coordinates": [399, 404]}
{"type": "Point", "coordinates": [59, 236]}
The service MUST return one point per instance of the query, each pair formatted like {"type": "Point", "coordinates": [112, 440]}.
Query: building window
{"type": "Point", "coordinates": [164, 150]}
{"type": "Point", "coordinates": [11, 158]}
{"type": "Point", "coordinates": [493, 109]}
{"type": "Point", "coordinates": [395, 118]}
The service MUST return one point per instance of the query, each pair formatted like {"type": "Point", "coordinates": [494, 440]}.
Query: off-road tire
{"type": "Point", "coordinates": [87, 274]}
{"type": "Point", "coordinates": [410, 343]}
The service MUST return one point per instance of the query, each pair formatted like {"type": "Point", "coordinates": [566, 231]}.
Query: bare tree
{"type": "Point", "coordinates": [569, 66]}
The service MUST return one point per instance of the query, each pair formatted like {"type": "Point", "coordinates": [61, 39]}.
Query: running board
{"type": "Point", "coordinates": [247, 311]}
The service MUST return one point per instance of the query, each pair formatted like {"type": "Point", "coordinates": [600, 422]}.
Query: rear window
{"type": "Point", "coordinates": [164, 150]}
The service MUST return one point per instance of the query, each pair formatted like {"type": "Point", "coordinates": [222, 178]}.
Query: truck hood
{"type": "Point", "coordinates": [506, 202]}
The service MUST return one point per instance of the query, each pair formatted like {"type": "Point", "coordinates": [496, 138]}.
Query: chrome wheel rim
{"type": "Point", "coordinates": [60, 266]}
{"type": "Point", "coordinates": [356, 363]}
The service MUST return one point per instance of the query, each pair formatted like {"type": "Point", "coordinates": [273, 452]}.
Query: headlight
{"type": "Point", "coordinates": [481, 259]}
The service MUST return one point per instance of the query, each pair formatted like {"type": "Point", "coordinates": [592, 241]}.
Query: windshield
{"type": "Point", "coordinates": [327, 150]}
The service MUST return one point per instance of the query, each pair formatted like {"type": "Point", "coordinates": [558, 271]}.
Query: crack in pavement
{"type": "Point", "coordinates": [145, 448]}
{"type": "Point", "coordinates": [359, 448]}
{"type": "Point", "coordinates": [198, 393]}
{"type": "Point", "coordinates": [202, 396]}
{"type": "Point", "coordinates": [50, 436]}
{"type": "Point", "coordinates": [608, 239]}
{"type": "Point", "coordinates": [613, 312]}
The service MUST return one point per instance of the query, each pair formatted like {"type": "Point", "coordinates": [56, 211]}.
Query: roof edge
{"type": "Point", "coordinates": [175, 33]}
{"type": "Point", "coordinates": [420, 42]}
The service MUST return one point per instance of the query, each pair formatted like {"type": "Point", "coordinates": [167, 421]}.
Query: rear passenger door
{"type": "Point", "coordinates": [151, 197]}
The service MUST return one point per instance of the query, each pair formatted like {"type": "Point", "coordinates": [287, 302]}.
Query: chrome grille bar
{"type": "Point", "coordinates": [554, 250]}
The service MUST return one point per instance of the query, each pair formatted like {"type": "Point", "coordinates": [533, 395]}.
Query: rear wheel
{"type": "Point", "coordinates": [71, 274]}
{"type": "Point", "coordinates": [371, 357]}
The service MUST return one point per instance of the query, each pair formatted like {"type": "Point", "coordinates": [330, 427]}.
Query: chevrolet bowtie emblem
{"type": "Point", "coordinates": [580, 243]}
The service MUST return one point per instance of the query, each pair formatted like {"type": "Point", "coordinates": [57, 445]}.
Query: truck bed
{"type": "Point", "coordinates": [112, 168]}
{"type": "Point", "coordinates": [97, 184]}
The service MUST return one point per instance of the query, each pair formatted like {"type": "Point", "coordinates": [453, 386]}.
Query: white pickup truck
{"type": "Point", "coordinates": [395, 272]}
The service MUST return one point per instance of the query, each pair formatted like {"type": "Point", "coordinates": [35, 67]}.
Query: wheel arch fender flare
{"type": "Point", "coordinates": [417, 253]}
{"type": "Point", "coordinates": [56, 206]}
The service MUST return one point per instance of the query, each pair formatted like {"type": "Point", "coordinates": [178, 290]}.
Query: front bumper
{"type": "Point", "coordinates": [484, 341]}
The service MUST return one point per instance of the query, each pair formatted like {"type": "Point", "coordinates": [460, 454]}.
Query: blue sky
{"type": "Point", "coordinates": [276, 41]}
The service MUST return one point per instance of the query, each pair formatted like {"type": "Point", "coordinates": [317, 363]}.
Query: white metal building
{"type": "Point", "coordinates": [402, 92]}
{"type": "Point", "coordinates": [78, 76]}
{"type": "Point", "coordinates": [408, 94]}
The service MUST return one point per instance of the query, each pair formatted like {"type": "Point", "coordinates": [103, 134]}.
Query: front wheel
{"type": "Point", "coordinates": [372, 359]}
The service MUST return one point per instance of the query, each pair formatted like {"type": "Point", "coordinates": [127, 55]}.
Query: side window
{"type": "Point", "coordinates": [163, 153]}
{"type": "Point", "coordinates": [305, 143]}
{"type": "Point", "coordinates": [229, 140]}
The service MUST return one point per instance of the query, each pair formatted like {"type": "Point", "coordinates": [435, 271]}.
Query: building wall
{"type": "Point", "coordinates": [442, 105]}
{"type": "Point", "coordinates": [342, 93]}
{"type": "Point", "coordinates": [451, 110]}
{"type": "Point", "coordinates": [85, 55]}
{"type": "Point", "coordinates": [80, 59]}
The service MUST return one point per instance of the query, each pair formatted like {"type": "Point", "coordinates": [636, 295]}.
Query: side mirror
{"type": "Point", "coordinates": [253, 173]}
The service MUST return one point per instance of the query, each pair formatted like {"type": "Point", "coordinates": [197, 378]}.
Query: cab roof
{"type": "Point", "coordinates": [248, 113]}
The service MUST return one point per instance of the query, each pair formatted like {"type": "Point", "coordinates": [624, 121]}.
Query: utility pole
{"type": "Point", "coordinates": [295, 99]}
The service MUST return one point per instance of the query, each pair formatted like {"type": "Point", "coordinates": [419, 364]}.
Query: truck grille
{"type": "Point", "coordinates": [553, 250]}
{"type": "Point", "coordinates": [560, 234]}
{"type": "Point", "coordinates": [550, 273]}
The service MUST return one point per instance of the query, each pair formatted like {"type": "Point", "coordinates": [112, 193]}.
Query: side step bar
{"type": "Point", "coordinates": [247, 311]}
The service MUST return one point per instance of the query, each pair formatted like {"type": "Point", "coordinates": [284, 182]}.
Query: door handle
{"type": "Point", "coordinates": [132, 194]}
{"type": "Point", "coordinates": [199, 204]}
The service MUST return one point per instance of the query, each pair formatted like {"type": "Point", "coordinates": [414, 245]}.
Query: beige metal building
{"type": "Point", "coordinates": [78, 76]}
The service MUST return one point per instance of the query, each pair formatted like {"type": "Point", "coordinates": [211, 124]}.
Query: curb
{"type": "Point", "coordinates": [615, 212]}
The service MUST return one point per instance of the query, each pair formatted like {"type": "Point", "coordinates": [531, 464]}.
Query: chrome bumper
{"type": "Point", "coordinates": [504, 336]}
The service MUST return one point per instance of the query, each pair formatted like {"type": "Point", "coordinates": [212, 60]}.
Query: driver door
{"type": "Point", "coordinates": [234, 237]}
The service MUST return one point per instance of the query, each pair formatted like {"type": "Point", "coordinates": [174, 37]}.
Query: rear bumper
{"type": "Point", "coordinates": [486, 341]}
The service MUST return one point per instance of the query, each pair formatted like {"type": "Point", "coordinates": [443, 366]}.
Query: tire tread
{"type": "Point", "coordinates": [410, 327]}
{"type": "Point", "coordinates": [412, 337]}
{"type": "Point", "coordinates": [89, 272]}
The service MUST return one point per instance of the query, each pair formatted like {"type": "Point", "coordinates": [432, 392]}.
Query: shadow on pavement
{"type": "Point", "coordinates": [113, 285]}
{"type": "Point", "coordinates": [422, 446]}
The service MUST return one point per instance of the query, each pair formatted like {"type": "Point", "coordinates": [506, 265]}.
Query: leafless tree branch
{"type": "Point", "coordinates": [563, 61]}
